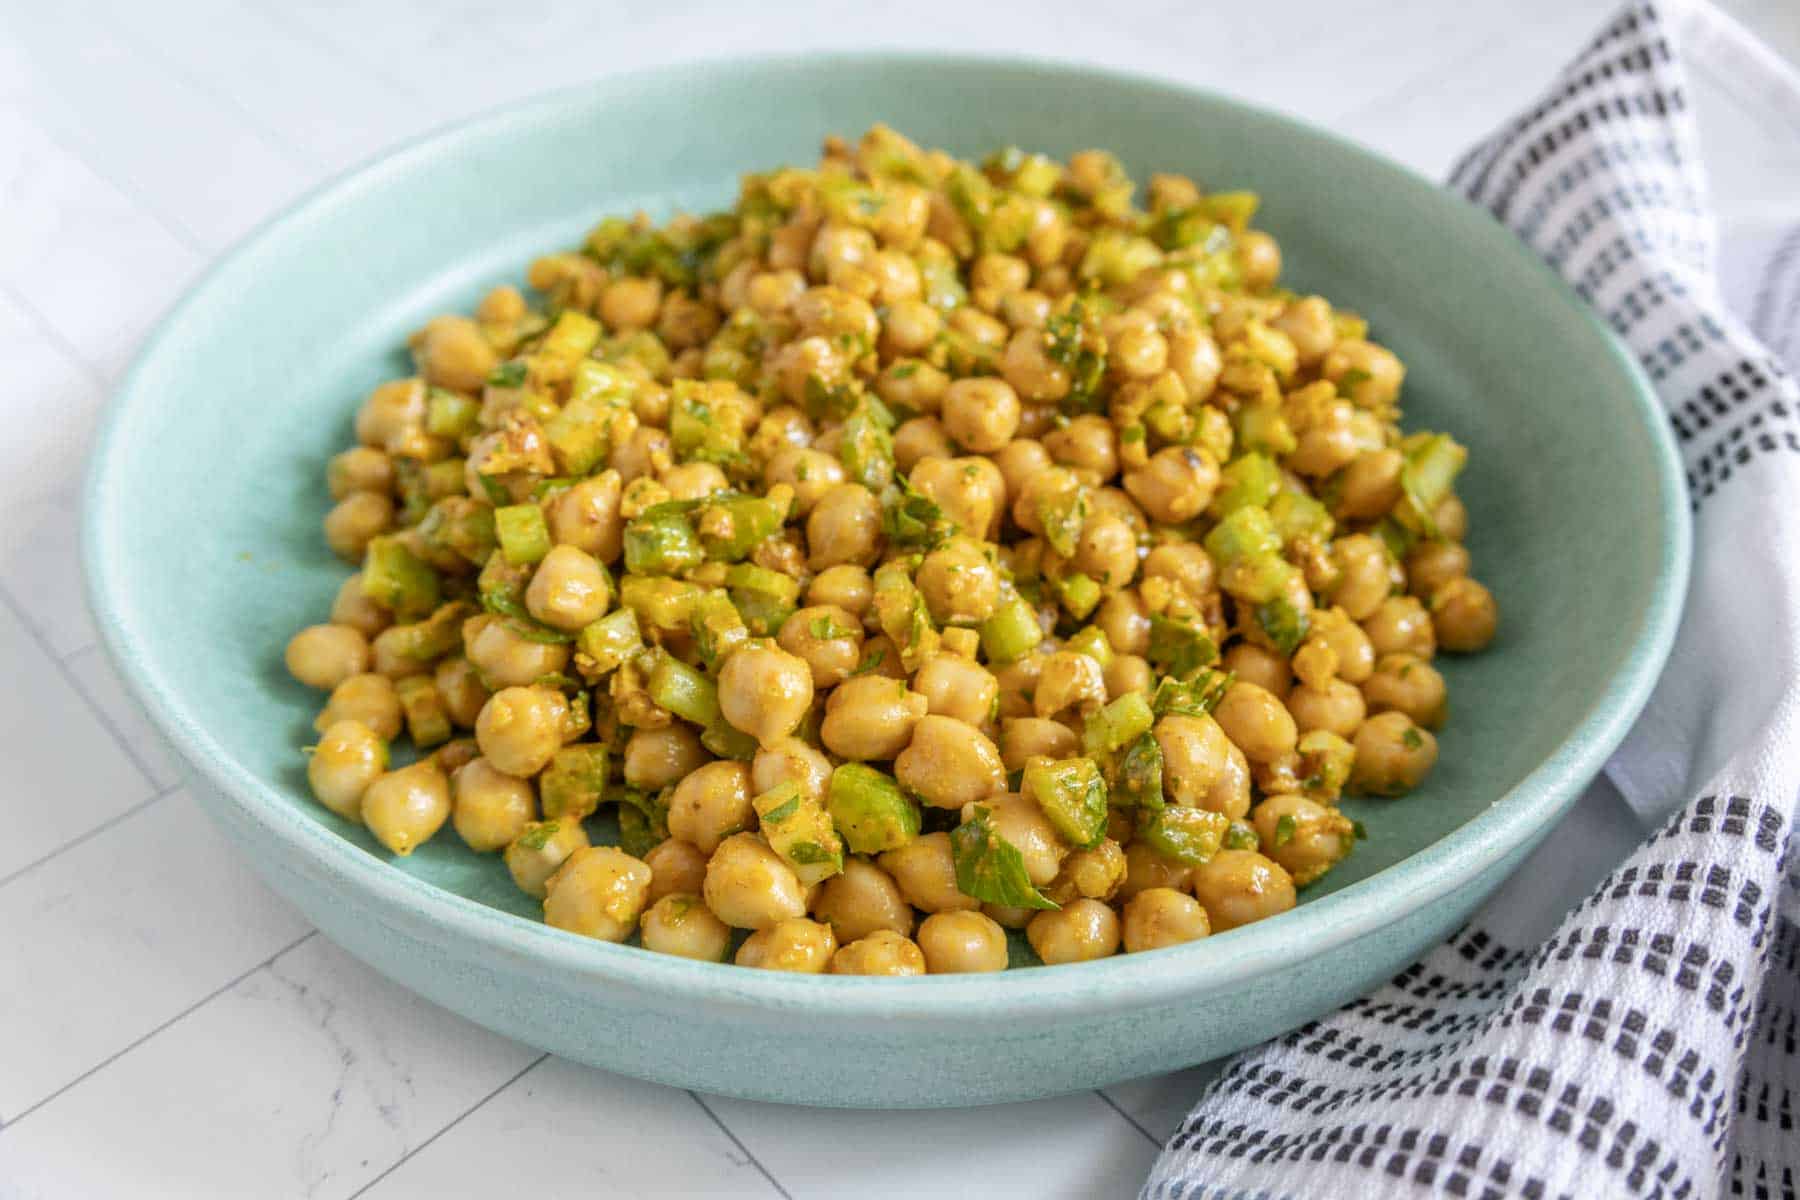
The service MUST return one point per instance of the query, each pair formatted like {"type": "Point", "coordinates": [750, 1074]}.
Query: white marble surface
{"type": "Point", "coordinates": [170, 1028]}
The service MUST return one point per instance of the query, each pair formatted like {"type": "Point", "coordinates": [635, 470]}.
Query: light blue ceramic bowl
{"type": "Point", "coordinates": [204, 555]}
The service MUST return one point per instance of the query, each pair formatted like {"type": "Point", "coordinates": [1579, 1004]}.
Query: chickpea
{"type": "Point", "coordinates": [569, 590]}
{"type": "Point", "coordinates": [1303, 837]}
{"type": "Point", "coordinates": [711, 804]}
{"type": "Point", "coordinates": [323, 656]}
{"type": "Point", "coordinates": [1158, 917]}
{"type": "Point", "coordinates": [773, 292]}
{"type": "Point", "coordinates": [797, 944]}
{"type": "Point", "coordinates": [1069, 680]}
{"type": "Point", "coordinates": [520, 729]}
{"type": "Point", "coordinates": [453, 353]}
{"type": "Point", "coordinates": [1019, 461]}
{"type": "Point", "coordinates": [1021, 822]}
{"type": "Point", "coordinates": [1194, 753]}
{"type": "Point", "coordinates": [1406, 683]}
{"type": "Point", "coordinates": [598, 892]}
{"type": "Point", "coordinates": [1366, 575]}
{"type": "Point", "coordinates": [1374, 371]}
{"type": "Point", "coordinates": [925, 873]}
{"type": "Point", "coordinates": [1370, 486]}
{"type": "Point", "coordinates": [1256, 722]}
{"type": "Point", "coordinates": [679, 923]}
{"type": "Point", "coordinates": [1393, 755]}
{"type": "Point", "coordinates": [913, 385]}
{"type": "Point", "coordinates": [1017, 681]}
{"type": "Point", "coordinates": [630, 303]}
{"type": "Point", "coordinates": [1176, 484]}
{"type": "Point", "coordinates": [489, 808]}
{"type": "Point", "coordinates": [1464, 616]}
{"type": "Point", "coordinates": [534, 856]}
{"type": "Point", "coordinates": [1237, 887]}
{"type": "Point", "coordinates": [1307, 323]}
{"type": "Point", "coordinates": [955, 943]}
{"type": "Point", "coordinates": [862, 900]}
{"type": "Point", "coordinates": [1024, 738]}
{"type": "Point", "coordinates": [971, 491]}
{"type": "Point", "coordinates": [811, 473]}
{"type": "Point", "coordinates": [844, 527]}
{"type": "Point", "coordinates": [1194, 357]}
{"type": "Point", "coordinates": [1086, 443]}
{"type": "Point", "coordinates": [1261, 666]}
{"type": "Point", "coordinates": [348, 758]}
{"type": "Point", "coordinates": [748, 886]}
{"type": "Point", "coordinates": [957, 687]}
{"type": "Point", "coordinates": [921, 437]}
{"type": "Point", "coordinates": [1451, 518]}
{"type": "Point", "coordinates": [897, 277]}
{"type": "Point", "coordinates": [949, 763]}
{"type": "Point", "coordinates": [392, 655]}
{"type": "Point", "coordinates": [693, 481]}
{"type": "Point", "coordinates": [1400, 625]}
{"type": "Point", "coordinates": [764, 691]}
{"type": "Point", "coordinates": [981, 414]}
{"type": "Point", "coordinates": [1079, 932]}
{"type": "Point", "coordinates": [461, 689]}
{"type": "Point", "coordinates": [392, 412]}
{"type": "Point", "coordinates": [676, 868]}
{"type": "Point", "coordinates": [357, 520]}
{"type": "Point", "coordinates": [960, 582]}
{"type": "Point", "coordinates": [1259, 260]}
{"type": "Point", "coordinates": [641, 455]}
{"type": "Point", "coordinates": [791, 761]}
{"type": "Point", "coordinates": [359, 469]}
{"type": "Point", "coordinates": [1107, 551]}
{"type": "Point", "coordinates": [656, 758]}
{"type": "Point", "coordinates": [911, 327]}
{"type": "Point", "coordinates": [882, 952]}
{"type": "Point", "coordinates": [1138, 351]}
{"type": "Point", "coordinates": [1430, 565]}
{"type": "Point", "coordinates": [1128, 673]}
{"type": "Point", "coordinates": [1146, 869]}
{"type": "Point", "coordinates": [405, 807]}
{"type": "Point", "coordinates": [1338, 707]}
{"type": "Point", "coordinates": [846, 587]}
{"type": "Point", "coordinates": [1230, 792]}
{"type": "Point", "coordinates": [1355, 657]}
{"type": "Point", "coordinates": [870, 717]}
{"type": "Point", "coordinates": [1029, 370]}
{"type": "Point", "coordinates": [507, 660]}
{"type": "Point", "coordinates": [1094, 873]}
{"type": "Point", "coordinates": [586, 517]}
{"type": "Point", "coordinates": [353, 609]}
{"type": "Point", "coordinates": [370, 699]}
{"type": "Point", "coordinates": [1125, 621]}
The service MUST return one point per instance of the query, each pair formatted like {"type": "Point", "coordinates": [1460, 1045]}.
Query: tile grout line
{"type": "Point", "coordinates": [55, 336]}
{"type": "Point", "coordinates": [142, 1038]}
{"type": "Point", "coordinates": [449, 1125]}
{"type": "Point", "coordinates": [62, 667]}
{"type": "Point", "coordinates": [736, 1141]}
{"type": "Point", "coordinates": [1128, 1118]}
{"type": "Point", "coordinates": [96, 831]}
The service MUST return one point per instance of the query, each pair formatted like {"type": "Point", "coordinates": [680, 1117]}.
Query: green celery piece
{"type": "Point", "coordinates": [990, 868]}
{"type": "Point", "coordinates": [717, 627]}
{"type": "Point", "coordinates": [913, 520]}
{"type": "Point", "coordinates": [1433, 461]}
{"type": "Point", "coordinates": [398, 580]}
{"type": "Point", "coordinates": [1072, 795]}
{"type": "Point", "coordinates": [1233, 209]}
{"type": "Point", "coordinates": [1186, 835]}
{"type": "Point", "coordinates": [683, 691]}
{"type": "Point", "coordinates": [1011, 632]}
{"type": "Point", "coordinates": [799, 829]}
{"type": "Point", "coordinates": [643, 821]}
{"type": "Point", "coordinates": [1140, 774]}
{"type": "Point", "coordinates": [575, 781]}
{"type": "Point", "coordinates": [524, 537]}
{"type": "Point", "coordinates": [1249, 480]}
{"type": "Point", "coordinates": [1116, 725]}
{"type": "Point", "coordinates": [870, 810]}
{"type": "Point", "coordinates": [1178, 647]}
{"type": "Point", "coordinates": [450, 414]}
{"type": "Point", "coordinates": [730, 527]}
{"type": "Point", "coordinates": [867, 448]}
{"type": "Point", "coordinates": [901, 613]}
{"type": "Point", "coordinates": [1246, 534]}
{"type": "Point", "coordinates": [611, 640]}
{"type": "Point", "coordinates": [1091, 641]}
{"type": "Point", "coordinates": [580, 434]}
{"type": "Point", "coordinates": [427, 723]}
{"type": "Point", "coordinates": [1194, 697]}
{"type": "Point", "coordinates": [660, 603]}
{"type": "Point", "coordinates": [1282, 623]}
{"type": "Point", "coordinates": [571, 339]}
{"type": "Point", "coordinates": [1296, 515]}
{"type": "Point", "coordinates": [1241, 836]}
{"type": "Point", "coordinates": [727, 741]}
{"type": "Point", "coordinates": [661, 543]}
{"type": "Point", "coordinates": [1079, 593]}
{"type": "Point", "coordinates": [1063, 514]}
{"type": "Point", "coordinates": [432, 638]}
{"type": "Point", "coordinates": [463, 526]}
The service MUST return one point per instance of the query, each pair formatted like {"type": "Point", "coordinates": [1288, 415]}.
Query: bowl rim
{"type": "Point", "coordinates": [1119, 983]}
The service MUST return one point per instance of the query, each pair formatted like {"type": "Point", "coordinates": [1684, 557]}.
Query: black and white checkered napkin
{"type": "Point", "coordinates": [1650, 1046]}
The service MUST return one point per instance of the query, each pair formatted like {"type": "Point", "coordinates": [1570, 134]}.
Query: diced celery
{"type": "Point", "coordinates": [1297, 515]}
{"type": "Point", "coordinates": [611, 640]}
{"type": "Point", "coordinates": [731, 527]}
{"type": "Point", "coordinates": [1178, 647]}
{"type": "Point", "coordinates": [1063, 513]}
{"type": "Point", "coordinates": [427, 722]}
{"type": "Point", "coordinates": [580, 433]}
{"type": "Point", "coordinates": [1139, 774]}
{"type": "Point", "coordinates": [727, 741]}
{"type": "Point", "coordinates": [659, 603]}
{"type": "Point", "coordinates": [430, 639]}
{"type": "Point", "coordinates": [449, 414]}
{"type": "Point", "coordinates": [1072, 795]}
{"type": "Point", "coordinates": [717, 628]}
{"type": "Point", "coordinates": [990, 868]}
{"type": "Point", "coordinates": [524, 537]}
{"type": "Point", "coordinates": [1246, 534]}
{"type": "Point", "coordinates": [661, 544]}
{"type": "Point", "coordinates": [1114, 726]}
{"type": "Point", "coordinates": [1091, 641]}
{"type": "Point", "coordinates": [1194, 697]}
{"type": "Point", "coordinates": [1247, 480]}
{"type": "Point", "coordinates": [1186, 835]}
{"type": "Point", "coordinates": [463, 526]}
{"type": "Point", "coordinates": [798, 828]}
{"type": "Point", "coordinates": [571, 339]}
{"type": "Point", "coordinates": [1079, 593]}
{"type": "Point", "coordinates": [1433, 461]}
{"type": "Point", "coordinates": [866, 448]}
{"type": "Point", "coordinates": [870, 810]}
{"type": "Point", "coordinates": [398, 580]}
{"type": "Point", "coordinates": [683, 691]}
{"type": "Point", "coordinates": [1011, 632]}
{"type": "Point", "coordinates": [901, 613]}
{"type": "Point", "coordinates": [574, 782]}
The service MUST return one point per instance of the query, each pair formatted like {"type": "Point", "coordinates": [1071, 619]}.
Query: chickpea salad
{"type": "Point", "coordinates": [920, 550]}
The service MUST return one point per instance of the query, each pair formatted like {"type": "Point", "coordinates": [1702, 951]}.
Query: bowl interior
{"type": "Point", "coordinates": [204, 531]}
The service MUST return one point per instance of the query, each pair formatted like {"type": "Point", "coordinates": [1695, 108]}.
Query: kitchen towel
{"type": "Point", "coordinates": [1650, 1046]}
